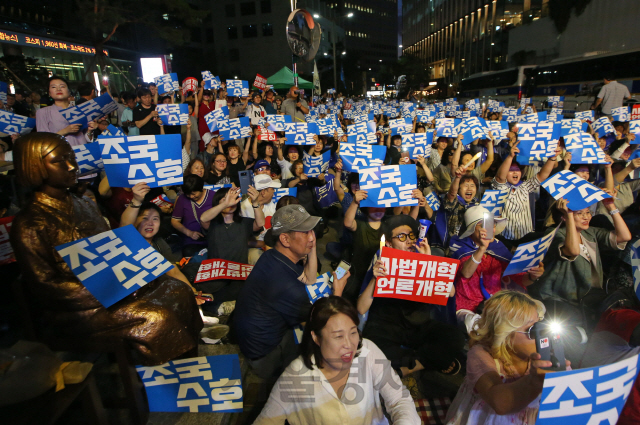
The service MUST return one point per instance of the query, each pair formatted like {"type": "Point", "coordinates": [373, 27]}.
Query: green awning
{"type": "Point", "coordinates": [283, 79]}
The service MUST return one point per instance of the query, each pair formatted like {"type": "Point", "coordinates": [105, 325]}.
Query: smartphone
{"type": "Point", "coordinates": [549, 346]}
{"type": "Point", "coordinates": [487, 224]}
{"type": "Point", "coordinates": [342, 269]}
{"type": "Point", "coordinates": [246, 180]}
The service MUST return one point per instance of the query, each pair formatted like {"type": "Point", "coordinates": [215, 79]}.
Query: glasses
{"type": "Point", "coordinates": [527, 333]}
{"type": "Point", "coordinates": [583, 214]}
{"type": "Point", "coordinates": [221, 161]}
{"type": "Point", "coordinates": [403, 236]}
{"type": "Point", "coordinates": [263, 168]}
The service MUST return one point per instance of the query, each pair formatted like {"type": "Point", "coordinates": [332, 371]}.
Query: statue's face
{"type": "Point", "coordinates": [61, 167]}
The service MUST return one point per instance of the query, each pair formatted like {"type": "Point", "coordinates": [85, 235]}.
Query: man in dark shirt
{"type": "Point", "coordinates": [274, 298]}
{"type": "Point", "coordinates": [145, 114]}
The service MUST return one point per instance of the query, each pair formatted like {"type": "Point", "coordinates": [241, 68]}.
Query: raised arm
{"type": "Point", "coordinates": [484, 167]}
{"type": "Point", "coordinates": [548, 166]}
{"type": "Point", "coordinates": [366, 297]}
{"type": "Point", "coordinates": [259, 220]}
{"type": "Point", "coordinates": [571, 247]}
{"type": "Point", "coordinates": [455, 184]}
{"type": "Point", "coordinates": [622, 174]}
{"type": "Point", "coordinates": [230, 199]}
{"type": "Point", "coordinates": [622, 231]}
{"type": "Point", "coordinates": [425, 168]}
{"type": "Point", "coordinates": [501, 175]}
{"type": "Point", "coordinates": [455, 161]}
{"type": "Point", "coordinates": [350, 221]}
{"type": "Point", "coordinates": [130, 214]}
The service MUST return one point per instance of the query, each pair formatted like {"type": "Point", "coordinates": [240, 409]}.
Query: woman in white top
{"type": "Point", "coordinates": [503, 382]}
{"type": "Point", "coordinates": [339, 377]}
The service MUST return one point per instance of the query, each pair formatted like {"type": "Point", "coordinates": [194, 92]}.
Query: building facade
{"type": "Point", "coordinates": [458, 38]}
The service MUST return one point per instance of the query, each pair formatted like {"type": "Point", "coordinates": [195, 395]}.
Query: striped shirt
{"type": "Point", "coordinates": [516, 207]}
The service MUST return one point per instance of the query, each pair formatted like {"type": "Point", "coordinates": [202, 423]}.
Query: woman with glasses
{"type": "Point", "coordinates": [504, 380]}
{"type": "Point", "coordinates": [407, 332]}
{"type": "Point", "coordinates": [483, 260]}
{"type": "Point", "coordinates": [573, 280]}
{"type": "Point", "coordinates": [218, 170]}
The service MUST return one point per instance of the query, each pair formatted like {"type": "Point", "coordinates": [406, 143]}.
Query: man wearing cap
{"type": "Point", "coordinates": [483, 260]}
{"type": "Point", "coordinates": [266, 186]}
{"type": "Point", "coordinates": [269, 103]}
{"type": "Point", "coordinates": [407, 331]}
{"type": "Point", "coordinates": [210, 144]}
{"type": "Point", "coordinates": [274, 298]}
{"type": "Point", "coordinates": [255, 111]}
{"type": "Point", "coordinates": [294, 106]}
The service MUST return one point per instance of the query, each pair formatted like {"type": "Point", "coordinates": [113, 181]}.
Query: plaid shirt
{"type": "Point", "coordinates": [455, 210]}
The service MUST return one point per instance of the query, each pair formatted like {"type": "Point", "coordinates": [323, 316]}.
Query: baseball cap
{"type": "Point", "coordinates": [292, 218]}
{"type": "Point", "coordinates": [261, 163]}
{"type": "Point", "coordinates": [206, 137]}
{"type": "Point", "coordinates": [263, 181]}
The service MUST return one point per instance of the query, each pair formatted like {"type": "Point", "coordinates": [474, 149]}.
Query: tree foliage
{"type": "Point", "coordinates": [32, 74]}
{"type": "Point", "coordinates": [560, 11]}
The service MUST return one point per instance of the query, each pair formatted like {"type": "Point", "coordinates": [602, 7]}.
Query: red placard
{"type": "Point", "coordinates": [6, 251]}
{"type": "Point", "coordinates": [635, 112]}
{"type": "Point", "coordinates": [260, 82]}
{"type": "Point", "coordinates": [189, 84]}
{"type": "Point", "coordinates": [267, 135]}
{"type": "Point", "coordinates": [222, 269]}
{"type": "Point", "coordinates": [416, 277]}
{"type": "Point", "coordinates": [162, 201]}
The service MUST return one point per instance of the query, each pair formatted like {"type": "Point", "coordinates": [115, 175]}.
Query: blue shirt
{"type": "Point", "coordinates": [271, 303]}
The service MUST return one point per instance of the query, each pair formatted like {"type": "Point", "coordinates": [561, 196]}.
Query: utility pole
{"type": "Point", "coordinates": [333, 38]}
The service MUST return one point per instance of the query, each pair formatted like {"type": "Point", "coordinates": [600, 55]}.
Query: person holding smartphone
{"type": "Point", "coordinates": [504, 376]}
{"type": "Point", "coordinates": [483, 261]}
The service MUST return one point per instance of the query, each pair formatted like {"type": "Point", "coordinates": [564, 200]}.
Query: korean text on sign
{"type": "Point", "coordinates": [356, 156]}
{"type": "Point", "coordinates": [260, 82]}
{"type": "Point", "coordinates": [416, 277]}
{"type": "Point", "coordinates": [594, 395]}
{"type": "Point", "coordinates": [493, 201]}
{"type": "Point", "coordinates": [238, 88]}
{"type": "Point", "coordinates": [174, 114]}
{"type": "Point", "coordinates": [579, 192]}
{"type": "Point", "coordinates": [529, 255]}
{"type": "Point", "coordinates": [199, 384]}
{"type": "Point", "coordinates": [167, 83]}
{"type": "Point", "coordinates": [11, 123]}
{"type": "Point", "coordinates": [222, 269]}
{"type": "Point", "coordinates": [313, 166]}
{"type": "Point", "coordinates": [89, 111]}
{"type": "Point", "coordinates": [88, 158]}
{"type": "Point", "coordinates": [389, 185]}
{"type": "Point", "coordinates": [155, 160]}
{"type": "Point", "coordinates": [114, 264]}
{"type": "Point", "coordinates": [6, 251]}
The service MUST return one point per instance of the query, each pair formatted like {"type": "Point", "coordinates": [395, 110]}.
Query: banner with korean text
{"type": "Point", "coordinates": [167, 83]}
{"type": "Point", "coordinates": [174, 114]}
{"type": "Point", "coordinates": [529, 255]}
{"type": "Point", "coordinates": [155, 160]}
{"type": "Point", "coordinates": [417, 144]}
{"type": "Point", "coordinates": [416, 277]}
{"type": "Point", "coordinates": [198, 384]}
{"type": "Point", "coordinates": [389, 185]}
{"type": "Point", "coordinates": [88, 158]}
{"type": "Point", "coordinates": [114, 264]}
{"type": "Point", "coordinates": [357, 156]}
{"type": "Point", "coordinates": [216, 268]}
{"type": "Point", "coordinates": [579, 192]}
{"type": "Point", "coordinates": [587, 396]}
{"type": "Point", "coordinates": [238, 88]}
{"type": "Point", "coordinates": [313, 166]}
{"type": "Point", "coordinates": [11, 123]}
{"type": "Point", "coordinates": [89, 111]}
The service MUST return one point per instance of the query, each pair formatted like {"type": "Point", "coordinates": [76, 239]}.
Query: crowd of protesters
{"type": "Point", "coordinates": [484, 332]}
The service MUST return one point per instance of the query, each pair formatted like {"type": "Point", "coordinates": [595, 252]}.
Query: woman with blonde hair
{"type": "Point", "coordinates": [504, 379]}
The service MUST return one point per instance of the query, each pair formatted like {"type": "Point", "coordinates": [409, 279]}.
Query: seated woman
{"type": "Point", "coordinates": [218, 170]}
{"type": "Point", "coordinates": [480, 275]}
{"type": "Point", "coordinates": [338, 368]}
{"type": "Point", "coordinates": [186, 214]}
{"type": "Point", "coordinates": [504, 380]}
{"type": "Point", "coordinates": [461, 196]}
{"type": "Point", "coordinates": [146, 320]}
{"type": "Point", "coordinates": [227, 239]}
{"type": "Point", "coordinates": [572, 284]}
